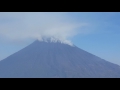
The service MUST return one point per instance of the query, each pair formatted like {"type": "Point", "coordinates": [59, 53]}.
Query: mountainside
{"type": "Point", "coordinates": [56, 60]}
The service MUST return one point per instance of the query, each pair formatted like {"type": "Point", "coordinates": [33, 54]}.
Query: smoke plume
{"type": "Point", "coordinates": [38, 25]}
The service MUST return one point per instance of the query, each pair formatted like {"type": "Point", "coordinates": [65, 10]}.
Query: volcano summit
{"type": "Point", "coordinates": [56, 60]}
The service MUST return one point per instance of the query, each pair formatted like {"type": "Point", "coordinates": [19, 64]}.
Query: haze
{"type": "Point", "coordinates": [96, 32]}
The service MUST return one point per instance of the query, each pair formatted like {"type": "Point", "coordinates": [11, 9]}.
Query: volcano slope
{"type": "Point", "coordinates": [56, 60]}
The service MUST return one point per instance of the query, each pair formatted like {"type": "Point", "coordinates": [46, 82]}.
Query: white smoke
{"type": "Point", "coordinates": [38, 25]}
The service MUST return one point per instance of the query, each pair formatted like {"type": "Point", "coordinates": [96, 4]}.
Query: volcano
{"type": "Point", "coordinates": [56, 60]}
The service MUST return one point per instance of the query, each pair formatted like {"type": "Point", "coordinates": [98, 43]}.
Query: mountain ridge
{"type": "Point", "coordinates": [48, 60]}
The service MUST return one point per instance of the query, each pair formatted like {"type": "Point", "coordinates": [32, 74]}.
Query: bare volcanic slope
{"type": "Point", "coordinates": [56, 60]}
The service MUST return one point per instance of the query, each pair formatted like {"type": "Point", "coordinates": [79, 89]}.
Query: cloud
{"type": "Point", "coordinates": [38, 25]}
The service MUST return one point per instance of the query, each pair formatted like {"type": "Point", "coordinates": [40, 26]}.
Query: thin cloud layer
{"type": "Point", "coordinates": [38, 25]}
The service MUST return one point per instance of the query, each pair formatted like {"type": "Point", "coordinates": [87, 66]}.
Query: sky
{"type": "Point", "coordinates": [94, 32]}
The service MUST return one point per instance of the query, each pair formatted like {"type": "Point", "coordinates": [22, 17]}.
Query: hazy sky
{"type": "Point", "coordinates": [95, 32]}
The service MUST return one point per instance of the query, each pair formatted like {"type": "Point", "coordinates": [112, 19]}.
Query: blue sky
{"type": "Point", "coordinates": [95, 32]}
{"type": "Point", "coordinates": [104, 40]}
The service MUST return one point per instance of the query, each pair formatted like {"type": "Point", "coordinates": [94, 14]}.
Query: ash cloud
{"type": "Point", "coordinates": [17, 26]}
